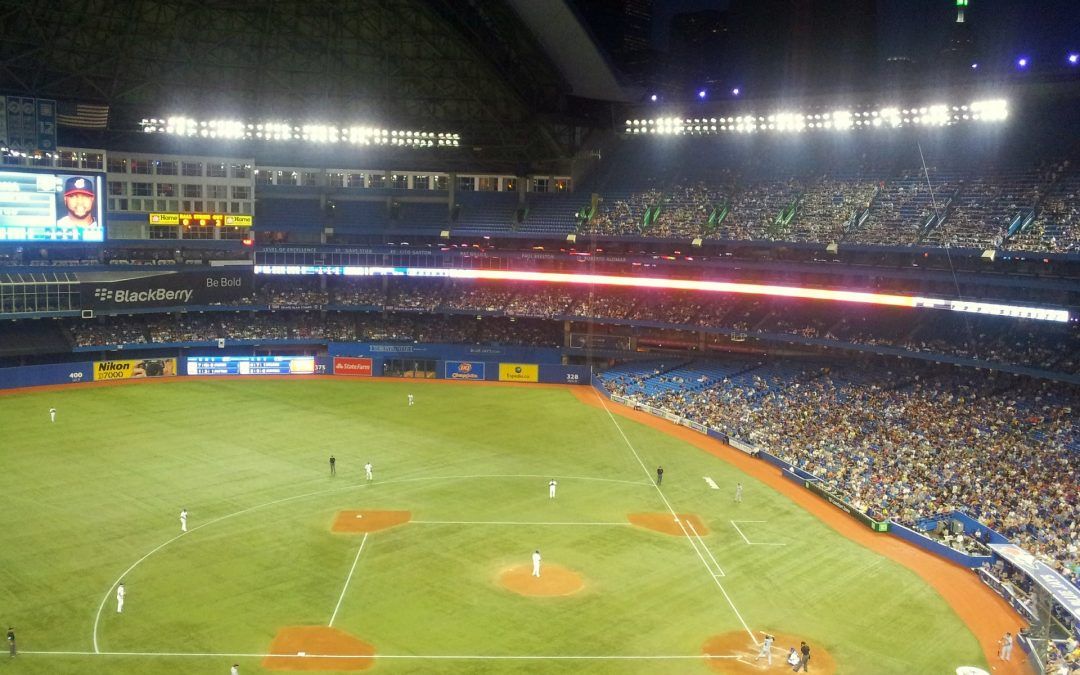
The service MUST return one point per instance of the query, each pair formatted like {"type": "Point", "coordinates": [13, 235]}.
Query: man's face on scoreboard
{"type": "Point", "coordinates": [79, 204]}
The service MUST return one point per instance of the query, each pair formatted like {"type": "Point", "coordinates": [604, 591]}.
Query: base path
{"type": "Point", "coordinates": [739, 644]}
{"type": "Point", "coordinates": [362, 522]}
{"type": "Point", "coordinates": [318, 648]}
{"type": "Point", "coordinates": [554, 580]}
{"type": "Point", "coordinates": [663, 522]}
{"type": "Point", "coordinates": [984, 612]}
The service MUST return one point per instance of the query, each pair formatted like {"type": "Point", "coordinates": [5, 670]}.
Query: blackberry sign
{"type": "Point", "coordinates": [170, 289]}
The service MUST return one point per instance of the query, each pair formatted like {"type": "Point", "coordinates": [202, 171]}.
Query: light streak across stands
{"type": "Point", "coordinates": [987, 308]}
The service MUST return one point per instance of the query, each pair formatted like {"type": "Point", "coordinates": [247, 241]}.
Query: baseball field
{"type": "Point", "coordinates": [427, 567]}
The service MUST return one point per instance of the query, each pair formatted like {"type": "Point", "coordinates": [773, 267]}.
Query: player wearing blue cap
{"type": "Point", "coordinates": [79, 199]}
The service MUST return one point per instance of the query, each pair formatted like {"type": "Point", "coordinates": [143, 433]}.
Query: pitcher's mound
{"type": "Point", "coordinates": [553, 580]}
{"type": "Point", "coordinates": [353, 522]}
{"type": "Point", "coordinates": [664, 522]}
{"type": "Point", "coordinates": [742, 648]}
{"type": "Point", "coordinates": [318, 648]}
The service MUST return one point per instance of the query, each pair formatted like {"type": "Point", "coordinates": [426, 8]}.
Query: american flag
{"type": "Point", "coordinates": [82, 115]}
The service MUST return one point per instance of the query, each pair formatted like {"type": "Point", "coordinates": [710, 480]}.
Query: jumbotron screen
{"type": "Point", "coordinates": [51, 206]}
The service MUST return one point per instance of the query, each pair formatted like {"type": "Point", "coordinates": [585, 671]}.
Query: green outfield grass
{"type": "Point", "coordinates": [84, 499]}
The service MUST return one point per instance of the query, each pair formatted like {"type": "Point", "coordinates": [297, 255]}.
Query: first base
{"type": "Point", "coordinates": [301, 653]}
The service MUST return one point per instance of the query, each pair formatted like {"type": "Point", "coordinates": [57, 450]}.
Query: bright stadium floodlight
{"type": "Point", "coordinates": [653, 98]}
{"type": "Point", "coordinates": [892, 117]}
{"type": "Point", "coordinates": [1022, 62]}
{"type": "Point", "coordinates": [233, 129]}
{"type": "Point", "coordinates": [1073, 59]}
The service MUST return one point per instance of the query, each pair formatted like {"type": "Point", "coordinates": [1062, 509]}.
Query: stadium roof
{"type": "Point", "coordinates": [469, 66]}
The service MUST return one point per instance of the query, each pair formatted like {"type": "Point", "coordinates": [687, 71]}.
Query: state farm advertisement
{"type": "Point", "coordinates": [346, 365]}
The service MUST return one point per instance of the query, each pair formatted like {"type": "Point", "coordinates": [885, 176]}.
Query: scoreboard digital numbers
{"type": "Point", "coordinates": [251, 365]}
{"type": "Point", "coordinates": [50, 206]}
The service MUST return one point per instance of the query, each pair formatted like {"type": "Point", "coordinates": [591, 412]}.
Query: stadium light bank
{"type": "Point", "coordinates": [231, 129]}
{"type": "Point", "coordinates": [992, 309]}
{"type": "Point", "coordinates": [888, 117]}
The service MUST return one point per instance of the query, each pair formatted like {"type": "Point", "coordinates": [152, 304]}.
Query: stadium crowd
{"type": "Point", "coordinates": [1016, 342]}
{"type": "Point", "coordinates": [908, 444]}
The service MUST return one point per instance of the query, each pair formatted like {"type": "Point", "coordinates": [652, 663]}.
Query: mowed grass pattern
{"type": "Point", "coordinates": [85, 498]}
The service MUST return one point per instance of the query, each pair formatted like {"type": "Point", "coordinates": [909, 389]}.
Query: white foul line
{"type": "Point", "coordinates": [505, 522]}
{"type": "Point", "coordinates": [752, 543]}
{"type": "Point", "coordinates": [347, 580]}
{"type": "Point", "coordinates": [690, 539]}
{"type": "Point", "coordinates": [720, 570]}
{"type": "Point", "coordinates": [419, 657]}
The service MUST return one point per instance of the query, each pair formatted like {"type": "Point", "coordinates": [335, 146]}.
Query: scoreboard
{"type": "Point", "coordinates": [251, 365]}
{"type": "Point", "coordinates": [51, 206]}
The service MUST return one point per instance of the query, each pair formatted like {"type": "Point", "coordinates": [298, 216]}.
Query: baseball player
{"type": "Point", "coordinates": [551, 488]}
{"type": "Point", "coordinates": [235, 670]}
{"type": "Point", "coordinates": [1006, 647]}
{"type": "Point", "coordinates": [410, 399]}
{"type": "Point", "coordinates": [333, 466]}
{"type": "Point", "coordinates": [793, 659]}
{"type": "Point", "coordinates": [536, 563]}
{"type": "Point", "coordinates": [367, 471]}
{"type": "Point", "coordinates": [183, 520]}
{"type": "Point", "coordinates": [766, 649]}
{"type": "Point", "coordinates": [11, 641]}
{"type": "Point", "coordinates": [120, 593]}
{"type": "Point", "coordinates": [738, 493]}
{"type": "Point", "coordinates": [52, 414]}
{"type": "Point", "coordinates": [659, 475]}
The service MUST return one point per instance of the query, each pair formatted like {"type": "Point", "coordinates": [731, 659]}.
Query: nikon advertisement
{"type": "Point", "coordinates": [169, 289]}
{"type": "Point", "coordinates": [134, 369]}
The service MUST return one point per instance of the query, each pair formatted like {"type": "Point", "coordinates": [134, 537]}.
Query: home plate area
{"type": "Point", "coordinates": [740, 644]}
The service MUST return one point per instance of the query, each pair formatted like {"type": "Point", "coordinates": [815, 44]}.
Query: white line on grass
{"type": "Point", "coordinates": [419, 657]}
{"type": "Point", "coordinates": [347, 580]}
{"type": "Point", "coordinates": [751, 543]}
{"type": "Point", "coordinates": [702, 542]}
{"type": "Point", "coordinates": [108, 593]}
{"type": "Point", "coordinates": [648, 473]}
{"type": "Point", "coordinates": [503, 522]}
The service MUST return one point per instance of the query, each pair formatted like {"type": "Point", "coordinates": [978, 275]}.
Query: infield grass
{"type": "Point", "coordinates": [83, 499]}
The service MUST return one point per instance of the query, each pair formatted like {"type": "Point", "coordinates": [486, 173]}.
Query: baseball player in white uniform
{"type": "Point", "coordinates": [410, 399]}
{"type": "Point", "coordinates": [183, 520]}
{"type": "Point", "coordinates": [120, 593]}
{"type": "Point", "coordinates": [1006, 646]}
{"type": "Point", "coordinates": [766, 649]}
{"type": "Point", "coordinates": [738, 493]}
{"type": "Point", "coordinates": [367, 471]}
{"type": "Point", "coordinates": [235, 670]}
{"type": "Point", "coordinates": [536, 563]}
{"type": "Point", "coordinates": [52, 414]}
{"type": "Point", "coordinates": [551, 488]}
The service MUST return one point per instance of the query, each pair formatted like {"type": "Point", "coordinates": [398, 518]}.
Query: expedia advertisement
{"type": "Point", "coordinates": [519, 372]}
{"type": "Point", "coordinates": [171, 289]}
{"type": "Point", "coordinates": [463, 370]}
{"type": "Point", "coordinates": [133, 369]}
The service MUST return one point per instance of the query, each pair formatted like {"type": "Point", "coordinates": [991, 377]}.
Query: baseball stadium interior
{"type": "Point", "coordinates": [837, 236]}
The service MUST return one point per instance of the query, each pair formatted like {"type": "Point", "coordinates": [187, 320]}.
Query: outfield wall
{"type": "Point", "coordinates": [53, 373]}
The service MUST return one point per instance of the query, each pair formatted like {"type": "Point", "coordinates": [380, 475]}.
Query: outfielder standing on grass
{"type": "Point", "coordinates": [52, 414]}
{"type": "Point", "coordinates": [551, 488]}
{"type": "Point", "coordinates": [120, 593]}
{"type": "Point", "coordinates": [11, 640]}
{"type": "Point", "coordinates": [738, 493]}
{"type": "Point", "coordinates": [333, 466]}
{"type": "Point", "coordinates": [183, 520]}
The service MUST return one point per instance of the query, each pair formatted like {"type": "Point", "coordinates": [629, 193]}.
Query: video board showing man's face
{"type": "Point", "coordinates": [51, 206]}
